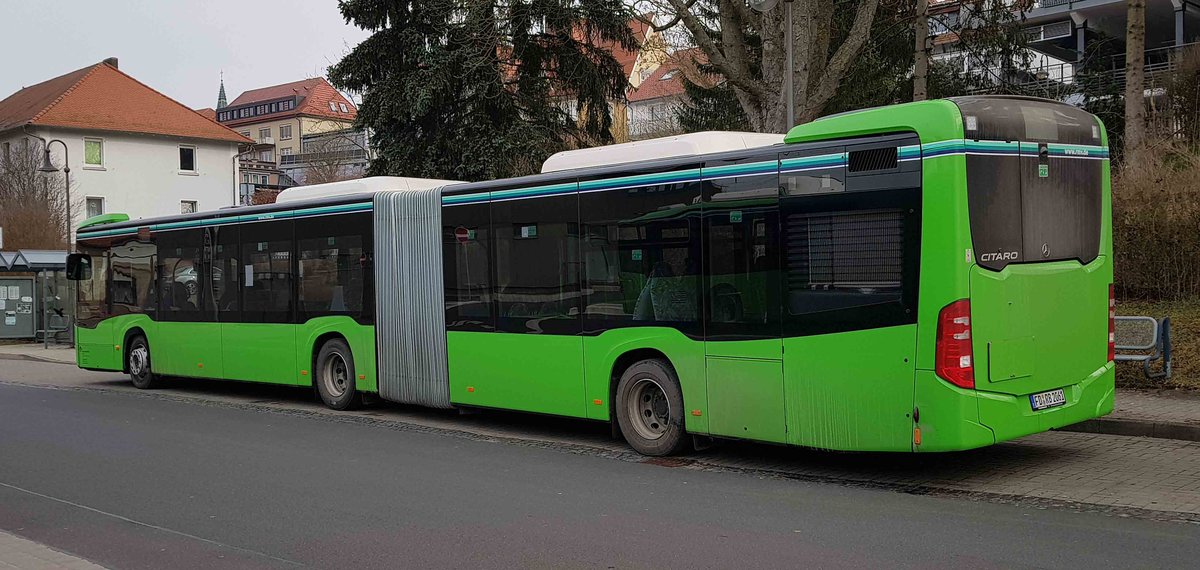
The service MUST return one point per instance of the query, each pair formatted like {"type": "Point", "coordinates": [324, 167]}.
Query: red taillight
{"type": "Point", "coordinates": [1112, 324]}
{"type": "Point", "coordinates": [953, 354]}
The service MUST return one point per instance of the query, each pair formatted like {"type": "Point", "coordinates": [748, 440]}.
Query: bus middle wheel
{"type": "Point", "coordinates": [650, 408]}
{"type": "Point", "coordinates": [335, 375]}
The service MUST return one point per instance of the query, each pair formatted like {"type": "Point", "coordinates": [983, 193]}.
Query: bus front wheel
{"type": "Point", "coordinates": [137, 361]}
{"type": "Point", "coordinates": [335, 375]}
{"type": "Point", "coordinates": [650, 408]}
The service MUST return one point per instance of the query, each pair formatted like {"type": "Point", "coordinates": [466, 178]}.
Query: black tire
{"type": "Point", "coordinates": [334, 375]}
{"type": "Point", "coordinates": [137, 362]}
{"type": "Point", "coordinates": [650, 408]}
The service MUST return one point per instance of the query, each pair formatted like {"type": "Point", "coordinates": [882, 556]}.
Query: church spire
{"type": "Point", "coordinates": [221, 103]}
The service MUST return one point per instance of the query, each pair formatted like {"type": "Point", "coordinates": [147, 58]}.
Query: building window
{"type": "Point", "coordinates": [266, 156]}
{"type": "Point", "coordinates": [343, 107]}
{"type": "Point", "coordinates": [333, 106]}
{"type": "Point", "coordinates": [187, 206]}
{"type": "Point", "coordinates": [245, 178]}
{"type": "Point", "coordinates": [285, 151]}
{"type": "Point", "coordinates": [245, 134]}
{"type": "Point", "coordinates": [264, 133]}
{"type": "Point", "coordinates": [187, 159]}
{"type": "Point", "coordinates": [285, 132]}
{"type": "Point", "coordinates": [93, 152]}
{"type": "Point", "coordinates": [95, 206]}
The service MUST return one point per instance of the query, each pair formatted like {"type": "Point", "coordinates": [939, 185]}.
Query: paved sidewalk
{"type": "Point", "coordinates": [18, 553]}
{"type": "Point", "coordinates": [56, 353]}
{"type": "Point", "coordinates": [1167, 414]}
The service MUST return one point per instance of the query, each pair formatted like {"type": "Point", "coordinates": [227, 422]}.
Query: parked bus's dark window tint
{"type": "Point", "coordinates": [331, 258]}
{"type": "Point", "coordinates": [181, 275]}
{"type": "Point", "coordinates": [741, 246]}
{"type": "Point", "coordinates": [850, 260]}
{"type": "Point", "coordinates": [226, 271]}
{"type": "Point", "coordinates": [267, 272]}
{"type": "Point", "coordinates": [642, 257]}
{"type": "Point", "coordinates": [537, 264]}
{"type": "Point", "coordinates": [92, 300]}
{"type": "Point", "coordinates": [131, 285]}
{"type": "Point", "coordinates": [466, 257]}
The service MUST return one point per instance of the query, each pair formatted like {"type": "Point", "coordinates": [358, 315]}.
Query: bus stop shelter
{"type": "Point", "coordinates": [35, 297]}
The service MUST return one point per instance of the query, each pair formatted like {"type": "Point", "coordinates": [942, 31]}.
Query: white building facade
{"type": "Point", "coordinates": [138, 174]}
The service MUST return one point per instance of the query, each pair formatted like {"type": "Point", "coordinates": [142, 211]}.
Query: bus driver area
{"type": "Point", "coordinates": [932, 276]}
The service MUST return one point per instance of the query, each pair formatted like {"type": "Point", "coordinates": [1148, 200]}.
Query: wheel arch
{"type": "Point", "coordinates": [315, 349]}
{"type": "Point", "coordinates": [131, 332]}
{"type": "Point", "coordinates": [621, 364]}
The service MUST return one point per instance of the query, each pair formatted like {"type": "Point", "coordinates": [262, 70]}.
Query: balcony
{"type": "Point", "coordinates": [331, 156]}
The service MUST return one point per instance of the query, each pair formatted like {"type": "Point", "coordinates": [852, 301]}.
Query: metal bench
{"type": "Point", "coordinates": [1146, 340]}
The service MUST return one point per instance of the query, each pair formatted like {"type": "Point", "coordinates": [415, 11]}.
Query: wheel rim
{"type": "Point", "coordinates": [335, 375]}
{"type": "Point", "coordinates": [649, 409]}
{"type": "Point", "coordinates": [139, 361]}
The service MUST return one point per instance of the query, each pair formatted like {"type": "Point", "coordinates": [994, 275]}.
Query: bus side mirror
{"type": "Point", "coordinates": [79, 267]}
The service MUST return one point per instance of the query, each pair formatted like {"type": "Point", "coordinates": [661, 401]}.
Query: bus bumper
{"type": "Point", "coordinates": [1012, 416]}
{"type": "Point", "coordinates": [954, 419]}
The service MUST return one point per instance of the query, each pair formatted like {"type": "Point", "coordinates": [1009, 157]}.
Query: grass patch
{"type": "Point", "coordinates": [1185, 344]}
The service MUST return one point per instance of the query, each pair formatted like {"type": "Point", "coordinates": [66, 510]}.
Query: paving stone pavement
{"type": "Point", "coordinates": [18, 553]}
{"type": "Point", "coordinates": [1168, 406]}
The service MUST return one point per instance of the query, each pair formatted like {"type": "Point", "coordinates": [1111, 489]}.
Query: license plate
{"type": "Point", "coordinates": [1047, 399]}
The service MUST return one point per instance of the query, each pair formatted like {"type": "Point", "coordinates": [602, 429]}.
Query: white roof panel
{"type": "Point", "coordinates": [360, 186]}
{"type": "Point", "coordinates": [666, 147]}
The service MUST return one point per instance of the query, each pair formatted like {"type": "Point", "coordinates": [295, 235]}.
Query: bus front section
{"type": "Point", "coordinates": [1030, 340]}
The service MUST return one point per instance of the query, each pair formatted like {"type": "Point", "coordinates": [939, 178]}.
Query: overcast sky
{"type": "Point", "coordinates": [177, 47]}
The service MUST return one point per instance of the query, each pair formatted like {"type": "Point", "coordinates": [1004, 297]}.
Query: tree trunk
{"type": "Point", "coordinates": [1135, 80]}
{"type": "Point", "coordinates": [921, 52]}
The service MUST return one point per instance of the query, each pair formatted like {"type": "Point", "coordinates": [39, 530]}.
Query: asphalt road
{"type": "Point", "coordinates": [135, 482]}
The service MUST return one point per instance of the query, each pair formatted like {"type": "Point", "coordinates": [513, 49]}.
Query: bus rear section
{"type": "Point", "coordinates": [1032, 337]}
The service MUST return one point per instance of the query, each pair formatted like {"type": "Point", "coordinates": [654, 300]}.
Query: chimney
{"type": "Point", "coordinates": [111, 61]}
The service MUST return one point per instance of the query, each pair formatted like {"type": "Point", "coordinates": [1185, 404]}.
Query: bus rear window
{"type": "Point", "coordinates": [1034, 181]}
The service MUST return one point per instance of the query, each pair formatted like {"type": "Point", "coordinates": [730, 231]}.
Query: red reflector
{"type": "Point", "coordinates": [1112, 324]}
{"type": "Point", "coordinates": [954, 362]}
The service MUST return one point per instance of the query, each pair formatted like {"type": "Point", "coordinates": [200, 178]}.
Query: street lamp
{"type": "Point", "coordinates": [48, 166]}
{"type": "Point", "coordinates": [763, 6]}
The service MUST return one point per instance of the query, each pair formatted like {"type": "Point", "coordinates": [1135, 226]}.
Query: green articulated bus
{"type": "Point", "coordinates": [930, 276]}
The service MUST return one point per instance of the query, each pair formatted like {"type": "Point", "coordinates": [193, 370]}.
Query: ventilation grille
{"type": "Point", "coordinates": [873, 159]}
{"type": "Point", "coordinates": [845, 250]}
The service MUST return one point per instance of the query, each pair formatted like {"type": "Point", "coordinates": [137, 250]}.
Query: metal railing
{"type": "Point", "coordinates": [1146, 340]}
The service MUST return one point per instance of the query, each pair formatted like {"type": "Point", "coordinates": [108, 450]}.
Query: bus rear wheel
{"type": "Point", "coordinates": [649, 406]}
{"type": "Point", "coordinates": [335, 375]}
{"type": "Point", "coordinates": [137, 362]}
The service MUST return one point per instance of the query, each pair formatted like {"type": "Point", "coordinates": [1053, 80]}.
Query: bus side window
{"type": "Point", "coordinates": [181, 274]}
{"type": "Point", "coordinates": [641, 253]}
{"type": "Point", "coordinates": [331, 263]}
{"type": "Point", "coordinates": [537, 264]}
{"type": "Point", "coordinates": [467, 272]}
{"type": "Point", "coordinates": [267, 271]}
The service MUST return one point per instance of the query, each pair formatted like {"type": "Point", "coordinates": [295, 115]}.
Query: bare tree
{"type": "Point", "coordinates": [1135, 78]}
{"type": "Point", "coordinates": [33, 214]}
{"type": "Point", "coordinates": [334, 154]}
{"type": "Point", "coordinates": [727, 30]}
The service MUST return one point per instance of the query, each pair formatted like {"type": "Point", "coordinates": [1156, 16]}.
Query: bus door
{"type": "Point", "coordinates": [257, 298]}
{"type": "Point", "coordinates": [534, 362]}
{"type": "Point", "coordinates": [850, 224]}
{"type": "Point", "coordinates": [743, 345]}
{"type": "Point", "coordinates": [188, 340]}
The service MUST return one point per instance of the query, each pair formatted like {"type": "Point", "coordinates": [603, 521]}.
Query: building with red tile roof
{"type": "Point", "coordinates": [131, 148]}
{"type": "Point", "coordinates": [654, 102]}
{"type": "Point", "coordinates": [294, 125]}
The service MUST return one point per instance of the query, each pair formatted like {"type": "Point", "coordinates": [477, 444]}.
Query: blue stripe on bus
{"type": "Point", "coordinates": [833, 160]}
